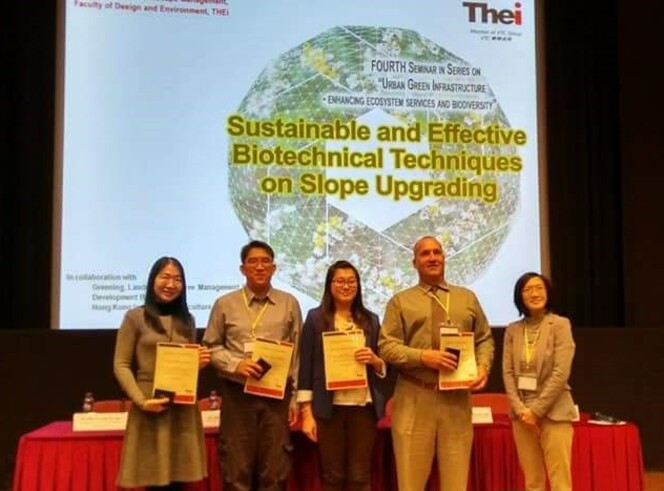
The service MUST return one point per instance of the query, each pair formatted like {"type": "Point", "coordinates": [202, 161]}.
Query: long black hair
{"type": "Point", "coordinates": [178, 308]}
{"type": "Point", "coordinates": [361, 315]}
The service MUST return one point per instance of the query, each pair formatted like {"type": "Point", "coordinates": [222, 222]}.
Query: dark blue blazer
{"type": "Point", "coordinates": [312, 367]}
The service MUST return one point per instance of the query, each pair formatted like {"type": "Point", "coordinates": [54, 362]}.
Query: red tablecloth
{"type": "Point", "coordinates": [604, 458]}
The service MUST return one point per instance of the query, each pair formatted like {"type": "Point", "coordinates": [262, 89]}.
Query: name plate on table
{"type": "Point", "coordinates": [99, 421]}
{"type": "Point", "coordinates": [210, 418]}
{"type": "Point", "coordinates": [482, 415]}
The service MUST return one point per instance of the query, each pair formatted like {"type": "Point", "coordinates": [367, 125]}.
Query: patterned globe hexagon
{"type": "Point", "coordinates": [309, 232]}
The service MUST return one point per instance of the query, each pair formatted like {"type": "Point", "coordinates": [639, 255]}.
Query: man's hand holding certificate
{"type": "Point", "coordinates": [342, 370]}
{"type": "Point", "coordinates": [274, 358]}
{"type": "Point", "coordinates": [462, 345]}
{"type": "Point", "coordinates": [176, 372]}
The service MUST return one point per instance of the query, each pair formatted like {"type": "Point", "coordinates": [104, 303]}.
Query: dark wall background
{"type": "Point", "coordinates": [604, 110]}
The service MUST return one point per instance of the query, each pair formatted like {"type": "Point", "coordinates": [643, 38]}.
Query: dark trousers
{"type": "Point", "coordinates": [254, 441]}
{"type": "Point", "coordinates": [345, 443]}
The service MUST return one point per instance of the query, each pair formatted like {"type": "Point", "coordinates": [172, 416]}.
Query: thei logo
{"type": "Point", "coordinates": [481, 12]}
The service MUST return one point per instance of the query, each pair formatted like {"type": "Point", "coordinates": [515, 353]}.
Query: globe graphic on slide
{"type": "Point", "coordinates": [376, 232]}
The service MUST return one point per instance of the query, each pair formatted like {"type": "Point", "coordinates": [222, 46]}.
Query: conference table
{"type": "Point", "coordinates": [604, 458]}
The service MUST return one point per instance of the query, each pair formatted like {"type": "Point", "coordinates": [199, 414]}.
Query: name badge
{"type": "Point", "coordinates": [446, 330]}
{"type": "Point", "coordinates": [249, 347]}
{"type": "Point", "coordinates": [527, 383]}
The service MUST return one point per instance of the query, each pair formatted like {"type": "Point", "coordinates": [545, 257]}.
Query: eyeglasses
{"type": "Point", "coordinates": [340, 282]}
{"type": "Point", "coordinates": [533, 289]}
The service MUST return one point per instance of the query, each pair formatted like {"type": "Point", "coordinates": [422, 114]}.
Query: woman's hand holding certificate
{"type": "Point", "coordinates": [343, 369]}
{"type": "Point", "coordinates": [176, 371]}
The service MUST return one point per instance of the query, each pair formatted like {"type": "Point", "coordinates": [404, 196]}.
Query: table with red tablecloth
{"type": "Point", "coordinates": [604, 458]}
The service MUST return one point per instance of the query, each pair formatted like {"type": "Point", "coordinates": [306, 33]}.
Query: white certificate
{"type": "Point", "coordinates": [176, 372]}
{"type": "Point", "coordinates": [462, 344]}
{"type": "Point", "coordinates": [278, 355]}
{"type": "Point", "coordinates": [342, 370]}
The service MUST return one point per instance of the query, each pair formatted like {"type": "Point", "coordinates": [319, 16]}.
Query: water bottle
{"type": "Point", "coordinates": [214, 401]}
{"type": "Point", "coordinates": [88, 402]}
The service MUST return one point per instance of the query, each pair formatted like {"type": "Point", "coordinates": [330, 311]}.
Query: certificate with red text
{"type": "Point", "coordinates": [342, 370]}
{"type": "Point", "coordinates": [462, 344]}
{"type": "Point", "coordinates": [273, 383]}
{"type": "Point", "coordinates": [176, 372]}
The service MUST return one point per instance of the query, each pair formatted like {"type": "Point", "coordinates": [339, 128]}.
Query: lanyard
{"type": "Point", "coordinates": [445, 307]}
{"type": "Point", "coordinates": [530, 347]}
{"type": "Point", "coordinates": [250, 312]}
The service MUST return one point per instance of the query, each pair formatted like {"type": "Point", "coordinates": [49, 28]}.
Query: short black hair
{"type": "Point", "coordinates": [256, 244]}
{"type": "Point", "coordinates": [518, 292]}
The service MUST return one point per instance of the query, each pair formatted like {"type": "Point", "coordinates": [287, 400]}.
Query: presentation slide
{"type": "Point", "coordinates": [331, 130]}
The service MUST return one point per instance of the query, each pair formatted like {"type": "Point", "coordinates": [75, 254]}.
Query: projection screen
{"type": "Point", "coordinates": [331, 130]}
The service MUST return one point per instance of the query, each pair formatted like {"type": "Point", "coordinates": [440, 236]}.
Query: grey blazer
{"type": "Point", "coordinates": [554, 354]}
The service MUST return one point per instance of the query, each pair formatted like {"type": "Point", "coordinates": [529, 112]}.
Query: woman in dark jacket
{"type": "Point", "coordinates": [343, 422]}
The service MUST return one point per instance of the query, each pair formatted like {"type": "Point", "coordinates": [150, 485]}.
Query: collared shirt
{"type": "Point", "coordinates": [407, 329]}
{"type": "Point", "coordinates": [229, 328]}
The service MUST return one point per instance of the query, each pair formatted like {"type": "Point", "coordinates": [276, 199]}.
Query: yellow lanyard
{"type": "Point", "coordinates": [445, 307]}
{"type": "Point", "coordinates": [530, 348]}
{"type": "Point", "coordinates": [250, 312]}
